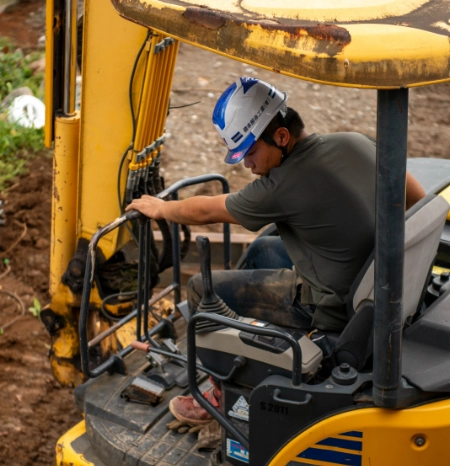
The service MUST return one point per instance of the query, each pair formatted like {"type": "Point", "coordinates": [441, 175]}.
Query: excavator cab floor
{"type": "Point", "coordinates": [117, 431]}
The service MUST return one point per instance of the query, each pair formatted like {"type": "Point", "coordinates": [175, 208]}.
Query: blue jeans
{"type": "Point", "coordinates": [268, 252]}
{"type": "Point", "coordinates": [268, 291]}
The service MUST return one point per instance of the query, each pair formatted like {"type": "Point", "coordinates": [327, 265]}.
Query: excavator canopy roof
{"type": "Point", "coordinates": [356, 43]}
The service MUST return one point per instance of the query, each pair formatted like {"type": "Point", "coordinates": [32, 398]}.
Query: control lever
{"type": "Point", "coordinates": [210, 302]}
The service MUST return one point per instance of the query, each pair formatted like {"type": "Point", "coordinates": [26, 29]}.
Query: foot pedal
{"type": "Point", "coordinates": [144, 391]}
{"type": "Point", "coordinates": [171, 373]}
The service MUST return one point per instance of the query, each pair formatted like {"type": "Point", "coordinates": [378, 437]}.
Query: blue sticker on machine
{"type": "Point", "coordinates": [350, 453]}
{"type": "Point", "coordinates": [237, 451]}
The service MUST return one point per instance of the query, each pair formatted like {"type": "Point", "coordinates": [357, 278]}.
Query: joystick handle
{"type": "Point", "coordinates": [204, 250]}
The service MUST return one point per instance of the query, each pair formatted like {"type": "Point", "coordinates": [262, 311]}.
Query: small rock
{"type": "Point", "coordinates": [41, 42]}
{"type": "Point", "coordinates": [38, 66]}
{"type": "Point", "coordinates": [34, 233]}
{"type": "Point", "coordinates": [8, 6]}
{"type": "Point", "coordinates": [202, 81]}
{"type": "Point", "coordinates": [42, 243]}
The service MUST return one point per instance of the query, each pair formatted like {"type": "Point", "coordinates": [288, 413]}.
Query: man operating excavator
{"type": "Point", "coordinates": [319, 190]}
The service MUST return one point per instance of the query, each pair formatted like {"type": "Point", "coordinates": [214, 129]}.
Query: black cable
{"type": "Point", "coordinates": [106, 313]}
{"type": "Point", "coordinates": [119, 176]}
{"type": "Point", "coordinates": [133, 133]}
{"type": "Point", "coordinates": [185, 105]}
{"type": "Point", "coordinates": [115, 317]}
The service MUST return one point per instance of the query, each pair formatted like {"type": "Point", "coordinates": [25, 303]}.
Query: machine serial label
{"type": "Point", "coordinates": [237, 451]}
{"type": "Point", "coordinates": [240, 409]}
{"type": "Point", "coordinates": [273, 408]}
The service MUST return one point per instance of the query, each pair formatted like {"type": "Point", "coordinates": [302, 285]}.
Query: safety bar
{"type": "Point", "coordinates": [143, 276]}
{"type": "Point", "coordinates": [392, 131]}
{"type": "Point", "coordinates": [226, 322]}
{"type": "Point", "coordinates": [172, 192]}
{"type": "Point", "coordinates": [239, 361]}
{"type": "Point", "coordinates": [114, 363]}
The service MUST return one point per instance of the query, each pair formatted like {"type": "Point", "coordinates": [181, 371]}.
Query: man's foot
{"type": "Point", "coordinates": [186, 408]}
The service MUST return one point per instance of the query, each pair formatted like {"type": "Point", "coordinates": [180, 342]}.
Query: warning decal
{"type": "Point", "coordinates": [240, 409]}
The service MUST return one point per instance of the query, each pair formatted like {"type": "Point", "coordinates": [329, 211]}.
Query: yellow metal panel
{"type": "Point", "coordinates": [446, 195]}
{"type": "Point", "coordinates": [65, 453]}
{"type": "Point", "coordinates": [106, 127]}
{"type": "Point", "coordinates": [332, 11]}
{"type": "Point", "coordinates": [438, 270]}
{"type": "Point", "coordinates": [65, 353]}
{"type": "Point", "coordinates": [384, 55]}
{"type": "Point", "coordinates": [64, 197]}
{"type": "Point", "coordinates": [387, 437]}
{"type": "Point", "coordinates": [350, 62]}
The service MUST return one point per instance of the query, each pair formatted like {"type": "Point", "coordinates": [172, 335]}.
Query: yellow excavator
{"type": "Point", "coordinates": [376, 394]}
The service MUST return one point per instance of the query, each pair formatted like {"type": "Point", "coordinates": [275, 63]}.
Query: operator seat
{"type": "Point", "coordinates": [424, 223]}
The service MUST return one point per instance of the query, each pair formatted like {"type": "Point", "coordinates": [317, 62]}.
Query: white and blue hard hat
{"type": "Point", "coordinates": [243, 112]}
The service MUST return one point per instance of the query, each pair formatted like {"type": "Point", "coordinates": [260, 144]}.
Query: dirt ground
{"type": "Point", "coordinates": [34, 409]}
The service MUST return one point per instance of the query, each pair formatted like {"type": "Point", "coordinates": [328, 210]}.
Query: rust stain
{"type": "Point", "coordinates": [56, 193]}
{"type": "Point", "coordinates": [211, 19]}
{"type": "Point", "coordinates": [204, 17]}
{"type": "Point", "coordinates": [325, 32]}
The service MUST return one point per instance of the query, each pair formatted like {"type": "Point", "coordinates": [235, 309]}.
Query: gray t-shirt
{"type": "Point", "coordinates": [322, 199]}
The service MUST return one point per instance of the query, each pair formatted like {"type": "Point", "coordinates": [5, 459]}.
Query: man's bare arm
{"type": "Point", "coordinates": [414, 190]}
{"type": "Point", "coordinates": [197, 210]}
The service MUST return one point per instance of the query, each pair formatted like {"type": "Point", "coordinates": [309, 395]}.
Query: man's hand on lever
{"type": "Point", "coordinates": [150, 206]}
{"type": "Point", "coordinates": [197, 210]}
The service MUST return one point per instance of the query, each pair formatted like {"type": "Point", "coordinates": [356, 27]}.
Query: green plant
{"type": "Point", "coordinates": [16, 142]}
{"type": "Point", "coordinates": [16, 145]}
{"type": "Point", "coordinates": [36, 308]}
{"type": "Point", "coordinates": [15, 69]}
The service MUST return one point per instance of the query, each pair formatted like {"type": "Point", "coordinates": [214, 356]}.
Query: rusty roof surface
{"type": "Point", "coordinates": [372, 43]}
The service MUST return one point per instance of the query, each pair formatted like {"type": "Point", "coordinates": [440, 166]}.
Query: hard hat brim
{"type": "Point", "coordinates": [236, 155]}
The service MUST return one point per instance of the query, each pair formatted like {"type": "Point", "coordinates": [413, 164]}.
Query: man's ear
{"type": "Point", "coordinates": [282, 136]}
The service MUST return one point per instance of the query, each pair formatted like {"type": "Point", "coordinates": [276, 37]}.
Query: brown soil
{"type": "Point", "coordinates": [24, 22]}
{"type": "Point", "coordinates": [34, 409]}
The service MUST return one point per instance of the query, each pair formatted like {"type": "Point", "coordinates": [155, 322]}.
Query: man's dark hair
{"type": "Point", "coordinates": [291, 121]}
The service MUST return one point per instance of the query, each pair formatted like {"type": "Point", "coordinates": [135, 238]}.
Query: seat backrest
{"type": "Point", "coordinates": [423, 228]}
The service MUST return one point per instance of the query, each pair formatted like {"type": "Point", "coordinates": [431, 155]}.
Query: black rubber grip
{"type": "Point", "coordinates": [204, 250]}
